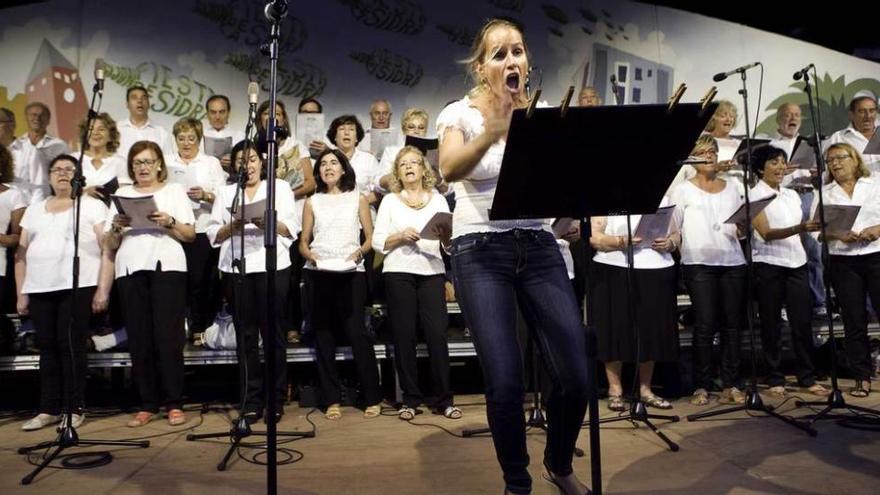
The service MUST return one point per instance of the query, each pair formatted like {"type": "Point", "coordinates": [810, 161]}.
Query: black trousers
{"type": "Point", "coordinates": [775, 286]}
{"type": "Point", "coordinates": [413, 300]}
{"type": "Point", "coordinates": [61, 372]}
{"type": "Point", "coordinates": [338, 304]}
{"type": "Point", "coordinates": [718, 299]}
{"type": "Point", "coordinates": [248, 306]}
{"type": "Point", "coordinates": [154, 306]}
{"type": "Point", "coordinates": [293, 307]}
{"type": "Point", "coordinates": [202, 281]}
{"type": "Point", "coordinates": [854, 278]}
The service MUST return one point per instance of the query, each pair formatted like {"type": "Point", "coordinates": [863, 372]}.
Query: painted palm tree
{"type": "Point", "coordinates": [834, 98]}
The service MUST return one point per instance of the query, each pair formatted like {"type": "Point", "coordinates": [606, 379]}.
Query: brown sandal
{"type": "Point", "coordinates": [700, 397]}
{"type": "Point", "coordinates": [140, 419]}
{"type": "Point", "coordinates": [176, 417]}
{"type": "Point", "coordinates": [615, 403]}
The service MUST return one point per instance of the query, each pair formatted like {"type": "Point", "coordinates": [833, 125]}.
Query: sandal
{"type": "Point", "coordinates": [777, 392]}
{"type": "Point", "coordinates": [197, 339]}
{"type": "Point", "coordinates": [140, 419]}
{"type": "Point", "coordinates": [334, 411]}
{"type": "Point", "coordinates": [860, 390]}
{"type": "Point", "coordinates": [373, 411]}
{"type": "Point", "coordinates": [452, 412]}
{"type": "Point", "coordinates": [406, 413]}
{"type": "Point", "coordinates": [615, 403]}
{"type": "Point", "coordinates": [176, 417]}
{"type": "Point", "coordinates": [700, 397]}
{"type": "Point", "coordinates": [293, 337]}
{"type": "Point", "coordinates": [656, 402]}
{"type": "Point", "coordinates": [819, 390]}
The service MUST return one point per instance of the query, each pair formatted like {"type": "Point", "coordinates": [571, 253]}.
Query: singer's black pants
{"type": "Point", "coordinates": [854, 278]}
{"type": "Point", "coordinates": [202, 281]}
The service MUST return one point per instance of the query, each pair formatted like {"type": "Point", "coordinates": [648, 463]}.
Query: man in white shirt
{"type": "Point", "coordinates": [218, 134]}
{"type": "Point", "coordinates": [380, 119]}
{"type": "Point", "coordinates": [862, 117]}
{"type": "Point", "coordinates": [7, 127]}
{"type": "Point", "coordinates": [137, 127]}
{"type": "Point", "coordinates": [34, 151]}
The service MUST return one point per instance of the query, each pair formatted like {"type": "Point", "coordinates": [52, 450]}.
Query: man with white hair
{"type": "Point", "coordinates": [863, 125]}
{"type": "Point", "coordinates": [380, 120]}
{"type": "Point", "coordinates": [34, 151]}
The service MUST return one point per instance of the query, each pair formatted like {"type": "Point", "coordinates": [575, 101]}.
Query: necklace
{"type": "Point", "coordinates": [418, 204]}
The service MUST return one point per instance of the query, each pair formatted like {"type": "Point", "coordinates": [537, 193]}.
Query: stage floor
{"type": "Point", "coordinates": [734, 454]}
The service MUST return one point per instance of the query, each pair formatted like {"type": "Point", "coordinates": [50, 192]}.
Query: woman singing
{"type": "Point", "coordinates": [498, 264]}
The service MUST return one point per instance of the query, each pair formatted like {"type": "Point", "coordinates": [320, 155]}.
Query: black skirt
{"type": "Point", "coordinates": [654, 307]}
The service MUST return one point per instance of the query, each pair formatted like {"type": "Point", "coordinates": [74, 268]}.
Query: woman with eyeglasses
{"type": "Point", "coordinates": [44, 276]}
{"type": "Point", "coordinates": [202, 176]}
{"type": "Point", "coordinates": [151, 276]}
{"type": "Point", "coordinates": [855, 255]}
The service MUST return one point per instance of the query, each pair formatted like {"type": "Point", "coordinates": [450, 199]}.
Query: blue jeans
{"type": "Point", "coordinates": [814, 257]}
{"type": "Point", "coordinates": [494, 272]}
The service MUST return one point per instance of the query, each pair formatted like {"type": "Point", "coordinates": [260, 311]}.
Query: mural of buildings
{"type": "Point", "coordinates": [638, 80]}
{"type": "Point", "coordinates": [55, 81]}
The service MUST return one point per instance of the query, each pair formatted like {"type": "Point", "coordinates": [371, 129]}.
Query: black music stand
{"type": "Point", "coordinates": [596, 148]}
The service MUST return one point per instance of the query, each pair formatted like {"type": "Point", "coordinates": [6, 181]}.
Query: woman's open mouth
{"type": "Point", "coordinates": [512, 81]}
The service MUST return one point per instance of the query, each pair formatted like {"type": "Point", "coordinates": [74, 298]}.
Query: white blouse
{"type": "Point", "coordinates": [784, 211]}
{"type": "Point", "coordinates": [143, 249]}
{"type": "Point", "coordinates": [865, 194]}
{"type": "Point", "coordinates": [475, 193]}
{"type": "Point", "coordinates": [203, 171]}
{"type": "Point", "coordinates": [50, 246]}
{"type": "Point", "coordinates": [421, 258]}
{"type": "Point", "coordinates": [10, 200]}
{"type": "Point", "coordinates": [366, 171]}
{"type": "Point", "coordinates": [254, 250]}
{"type": "Point", "coordinates": [706, 240]}
{"type": "Point", "coordinates": [112, 167]}
{"type": "Point", "coordinates": [337, 227]}
{"type": "Point", "coordinates": [643, 258]}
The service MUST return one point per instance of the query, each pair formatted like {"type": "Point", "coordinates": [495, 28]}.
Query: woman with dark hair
{"type": "Point", "coordinates": [101, 164]}
{"type": "Point", "coordinates": [332, 222]}
{"type": "Point", "coordinates": [498, 264]}
{"type": "Point", "coordinates": [855, 255]}
{"type": "Point", "coordinates": [781, 277]}
{"type": "Point", "coordinates": [43, 272]}
{"type": "Point", "coordinates": [247, 295]}
{"type": "Point", "coordinates": [346, 132]}
{"type": "Point", "coordinates": [714, 270]}
{"type": "Point", "coordinates": [12, 205]}
{"type": "Point", "coordinates": [151, 276]}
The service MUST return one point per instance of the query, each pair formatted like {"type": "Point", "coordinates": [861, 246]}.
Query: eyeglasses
{"type": "Point", "coordinates": [144, 163]}
{"type": "Point", "coordinates": [837, 158]}
{"type": "Point", "coordinates": [186, 139]}
{"type": "Point", "coordinates": [63, 171]}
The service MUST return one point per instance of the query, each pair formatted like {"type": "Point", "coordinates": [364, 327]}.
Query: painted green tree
{"type": "Point", "coordinates": [833, 100]}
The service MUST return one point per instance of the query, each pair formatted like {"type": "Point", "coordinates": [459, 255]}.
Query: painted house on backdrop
{"type": "Point", "coordinates": [638, 80]}
{"type": "Point", "coordinates": [55, 81]}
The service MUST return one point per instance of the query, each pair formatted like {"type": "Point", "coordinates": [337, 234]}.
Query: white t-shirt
{"type": "Point", "coordinates": [865, 194]}
{"type": "Point", "coordinates": [32, 164]}
{"type": "Point", "coordinates": [203, 171]}
{"type": "Point", "coordinates": [643, 258]}
{"type": "Point", "coordinates": [474, 194]}
{"type": "Point", "coordinates": [10, 200]}
{"type": "Point", "coordinates": [144, 249]}
{"type": "Point", "coordinates": [254, 250]}
{"type": "Point", "coordinates": [50, 246]}
{"type": "Point", "coordinates": [421, 258]}
{"type": "Point", "coordinates": [784, 211]}
{"type": "Point", "coordinates": [366, 171]}
{"type": "Point", "coordinates": [337, 228]}
{"type": "Point", "coordinates": [858, 141]}
{"type": "Point", "coordinates": [112, 167]}
{"type": "Point", "coordinates": [706, 240]}
{"type": "Point", "coordinates": [129, 134]}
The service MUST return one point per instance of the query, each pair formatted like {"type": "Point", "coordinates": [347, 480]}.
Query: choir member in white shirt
{"type": "Point", "coordinates": [862, 113]}
{"type": "Point", "coordinates": [202, 176]}
{"type": "Point", "coordinates": [345, 133]}
{"type": "Point", "coordinates": [332, 222]}
{"type": "Point", "coordinates": [294, 165]}
{"type": "Point", "coordinates": [33, 151]}
{"type": "Point", "coordinates": [138, 127]}
{"type": "Point", "coordinates": [855, 255]}
{"type": "Point", "coordinates": [44, 277]}
{"type": "Point", "coordinates": [780, 268]}
{"type": "Point", "coordinates": [380, 119]}
{"type": "Point", "coordinates": [12, 205]}
{"type": "Point", "coordinates": [714, 271]}
{"type": "Point", "coordinates": [217, 109]}
{"type": "Point", "coordinates": [151, 276]}
{"type": "Point", "coordinates": [7, 127]}
{"type": "Point", "coordinates": [247, 295]}
{"type": "Point", "coordinates": [413, 123]}
{"type": "Point", "coordinates": [720, 126]}
{"type": "Point", "coordinates": [312, 105]}
{"type": "Point", "coordinates": [653, 295]}
{"type": "Point", "coordinates": [414, 280]}
{"type": "Point", "coordinates": [101, 163]}
{"type": "Point", "coordinates": [499, 263]}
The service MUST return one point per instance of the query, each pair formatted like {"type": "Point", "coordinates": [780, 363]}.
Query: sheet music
{"type": "Point", "coordinates": [251, 210]}
{"type": "Point", "coordinates": [439, 218]}
{"type": "Point", "coordinates": [430, 148]}
{"type": "Point", "coordinates": [310, 127]}
{"type": "Point", "coordinates": [873, 146]}
{"type": "Point", "coordinates": [755, 207]}
{"type": "Point", "coordinates": [838, 218]}
{"type": "Point", "coordinates": [562, 226]}
{"type": "Point", "coordinates": [187, 177]}
{"type": "Point", "coordinates": [803, 155]}
{"type": "Point", "coordinates": [381, 139]}
{"type": "Point", "coordinates": [138, 209]}
{"type": "Point", "coordinates": [218, 147]}
{"type": "Point", "coordinates": [654, 226]}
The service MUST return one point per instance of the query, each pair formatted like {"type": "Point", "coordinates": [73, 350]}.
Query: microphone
{"type": "Point", "coordinates": [692, 160]}
{"type": "Point", "coordinates": [723, 75]}
{"type": "Point", "coordinates": [99, 74]}
{"type": "Point", "coordinates": [253, 92]}
{"type": "Point", "coordinates": [615, 89]}
{"type": "Point", "coordinates": [801, 73]}
{"type": "Point", "coordinates": [276, 10]}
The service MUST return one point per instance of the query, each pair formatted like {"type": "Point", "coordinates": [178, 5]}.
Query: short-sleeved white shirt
{"type": "Point", "coordinates": [10, 200]}
{"type": "Point", "coordinates": [421, 258]}
{"type": "Point", "coordinates": [112, 167]}
{"type": "Point", "coordinates": [700, 215]}
{"type": "Point", "coordinates": [643, 258]}
{"type": "Point", "coordinates": [784, 211]}
{"type": "Point", "coordinates": [203, 171]}
{"type": "Point", "coordinates": [865, 194]}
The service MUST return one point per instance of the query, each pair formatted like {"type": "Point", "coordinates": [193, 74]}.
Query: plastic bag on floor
{"type": "Point", "coordinates": [221, 334]}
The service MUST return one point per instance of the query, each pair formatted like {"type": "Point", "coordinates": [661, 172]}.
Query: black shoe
{"type": "Point", "coordinates": [279, 413]}
{"type": "Point", "coordinates": [252, 416]}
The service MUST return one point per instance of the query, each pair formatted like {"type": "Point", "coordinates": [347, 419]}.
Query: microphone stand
{"type": "Point", "coordinates": [835, 400]}
{"type": "Point", "coordinates": [753, 398]}
{"type": "Point", "coordinates": [68, 437]}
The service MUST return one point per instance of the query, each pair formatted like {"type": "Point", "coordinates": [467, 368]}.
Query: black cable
{"type": "Point", "coordinates": [293, 455]}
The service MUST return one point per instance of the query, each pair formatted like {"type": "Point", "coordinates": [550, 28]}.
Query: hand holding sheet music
{"type": "Point", "coordinates": [439, 226]}
{"type": "Point", "coordinates": [251, 211]}
{"type": "Point", "coordinates": [839, 219]}
{"type": "Point", "coordinates": [310, 129]}
{"type": "Point", "coordinates": [653, 226]}
{"type": "Point", "coordinates": [755, 208]}
{"type": "Point", "coordinates": [139, 210]}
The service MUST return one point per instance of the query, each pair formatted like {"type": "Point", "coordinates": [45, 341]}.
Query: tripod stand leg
{"type": "Point", "coordinates": [797, 424]}
{"type": "Point", "coordinates": [671, 419]}
{"type": "Point", "coordinates": [119, 443]}
{"type": "Point", "coordinates": [672, 445]}
{"type": "Point", "coordinates": [39, 446]}
{"type": "Point", "coordinates": [709, 414]}
{"type": "Point", "coordinates": [51, 457]}
{"type": "Point", "coordinates": [232, 448]}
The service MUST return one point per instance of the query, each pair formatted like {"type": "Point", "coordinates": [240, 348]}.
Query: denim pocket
{"type": "Point", "coordinates": [468, 243]}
